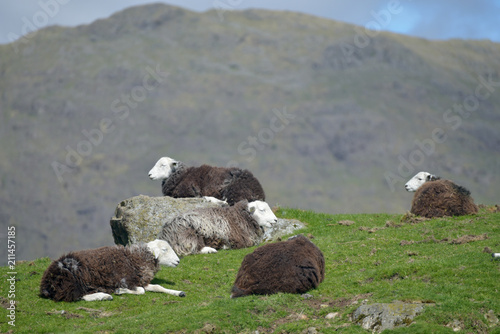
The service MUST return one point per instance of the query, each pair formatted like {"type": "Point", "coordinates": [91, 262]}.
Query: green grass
{"type": "Point", "coordinates": [364, 261]}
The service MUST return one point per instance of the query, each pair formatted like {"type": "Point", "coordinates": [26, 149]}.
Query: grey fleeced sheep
{"type": "Point", "coordinates": [95, 274]}
{"type": "Point", "coordinates": [438, 198]}
{"type": "Point", "coordinates": [292, 266]}
{"type": "Point", "coordinates": [227, 184]}
{"type": "Point", "coordinates": [208, 229]}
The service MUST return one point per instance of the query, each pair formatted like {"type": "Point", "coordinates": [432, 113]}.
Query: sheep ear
{"type": "Point", "coordinates": [252, 209]}
{"type": "Point", "coordinates": [431, 178]}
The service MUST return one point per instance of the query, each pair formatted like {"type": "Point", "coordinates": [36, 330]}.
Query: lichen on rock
{"type": "Point", "coordinates": [379, 317]}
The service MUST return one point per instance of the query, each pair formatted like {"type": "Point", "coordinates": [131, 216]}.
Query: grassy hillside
{"type": "Point", "coordinates": [321, 120]}
{"type": "Point", "coordinates": [378, 258]}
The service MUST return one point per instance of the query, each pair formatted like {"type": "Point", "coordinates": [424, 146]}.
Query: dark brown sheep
{"type": "Point", "coordinates": [228, 184]}
{"type": "Point", "coordinates": [95, 274]}
{"type": "Point", "coordinates": [442, 198]}
{"type": "Point", "coordinates": [292, 266]}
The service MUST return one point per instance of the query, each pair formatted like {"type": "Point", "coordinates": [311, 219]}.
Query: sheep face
{"type": "Point", "coordinates": [420, 178]}
{"type": "Point", "coordinates": [163, 252]}
{"type": "Point", "coordinates": [262, 213]}
{"type": "Point", "coordinates": [163, 169]}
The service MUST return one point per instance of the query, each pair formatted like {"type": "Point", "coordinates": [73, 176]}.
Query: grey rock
{"type": "Point", "coordinates": [379, 317]}
{"type": "Point", "coordinates": [492, 318]}
{"type": "Point", "coordinates": [455, 325]}
{"type": "Point", "coordinates": [281, 228]}
{"type": "Point", "coordinates": [310, 330]}
{"type": "Point", "coordinates": [332, 315]}
{"type": "Point", "coordinates": [141, 218]}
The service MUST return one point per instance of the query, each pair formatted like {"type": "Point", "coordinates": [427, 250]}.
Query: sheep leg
{"type": "Point", "coordinates": [98, 296]}
{"type": "Point", "coordinates": [214, 200]}
{"type": "Point", "coordinates": [159, 288]}
{"type": "Point", "coordinates": [138, 291]}
{"type": "Point", "coordinates": [207, 250]}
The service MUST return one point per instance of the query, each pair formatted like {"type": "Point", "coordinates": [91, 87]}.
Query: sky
{"type": "Point", "coordinates": [431, 19]}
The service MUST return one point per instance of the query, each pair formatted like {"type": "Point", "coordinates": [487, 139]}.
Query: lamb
{"type": "Point", "coordinates": [292, 266]}
{"type": "Point", "coordinates": [437, 198]}
{"type": "Point", "coordinates": [94, 274]}
{"type": "Point", "coordinates": [227, 184]}
{"type": "Point", "coordinates": [206, 230]}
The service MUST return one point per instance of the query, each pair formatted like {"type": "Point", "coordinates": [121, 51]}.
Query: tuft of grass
{"type": "Point", "coordinates": [373, 258]}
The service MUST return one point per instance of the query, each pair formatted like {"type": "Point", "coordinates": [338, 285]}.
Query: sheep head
{"type": "Point", "coordinates": [420, 178]}
{"type": "Point", "coordinates": [262, 213]}
{"type": "Point", "coordinates": [163, 252]}
{"type": "Point", "coordinates": [163, 168]}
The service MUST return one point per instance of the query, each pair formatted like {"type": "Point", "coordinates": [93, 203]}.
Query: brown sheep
{"type": "Point", "coordinates": [438, 198]}
{"type": "Point", "coordinates": [227, 184]}
{"type": "Point", "coordinates": [292, 266]}
{"type": "Point", "coordinates": [94, 274]}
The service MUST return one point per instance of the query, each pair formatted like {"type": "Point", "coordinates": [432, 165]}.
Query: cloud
{"type": "Point", "coordinates": [446, 19]}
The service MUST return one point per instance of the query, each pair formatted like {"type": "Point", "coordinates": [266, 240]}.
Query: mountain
{"type": "Point", "coordinates": [329, 116]}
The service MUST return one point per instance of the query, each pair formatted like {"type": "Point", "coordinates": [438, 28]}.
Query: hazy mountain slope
{"type": "Point", "coordinates": [320, 118]}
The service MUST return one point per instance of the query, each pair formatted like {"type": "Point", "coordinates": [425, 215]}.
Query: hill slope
{"type": "Point", "coordinates": [325, 121]}
{"type": "Point", "coordinates": [369, 258]}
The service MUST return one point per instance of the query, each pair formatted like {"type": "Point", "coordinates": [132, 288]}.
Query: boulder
{"type": "Point", "coordinates": [280, 228]}
{"type": "Point", "coordinates": [379, 317]}
{"type": "Point", "coordinates": [141, 218]}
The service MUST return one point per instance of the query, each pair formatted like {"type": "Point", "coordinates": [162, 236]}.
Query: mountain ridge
{"type": "Point", "coordinates": [160, 80]}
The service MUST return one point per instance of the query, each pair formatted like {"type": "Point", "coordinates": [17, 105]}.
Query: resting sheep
{"type": "Point", "coordinates": [228, 184]}
{"type": "Point", "coordinates": [437, 198]}
{"type": "Point", "coordinates": [292, 266]}
{"type": "Point", "coordinates": [94, 274]}
{"type": "Point", "coordinates": [207, 229]}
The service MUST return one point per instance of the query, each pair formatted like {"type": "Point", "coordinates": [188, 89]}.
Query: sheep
{"type": "Point", "coordinates": [420, 178]}
{"type": "Point", "coordinates": [437, 198]}
{"type": "Point", "coordinates": [94, 274]}
{"type": "Point", "coordinates": [206, 230]}
{"type": "Point", "coordinates": [228, 184]}
{"type": "Point", "coordinates": [292, 266]}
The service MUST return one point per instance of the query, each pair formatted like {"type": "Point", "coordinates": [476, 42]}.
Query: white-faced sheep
{"type": "Point", "coordinates": [292, 266]}
{"type": "Point", "coordinates": [228, 184]}
{"type": "Point", "coordinates": [95, 274]}
{"type": "Point", "coordinates": [437, 198]}
{"type": "Point", "coordinates": [207, 229]}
